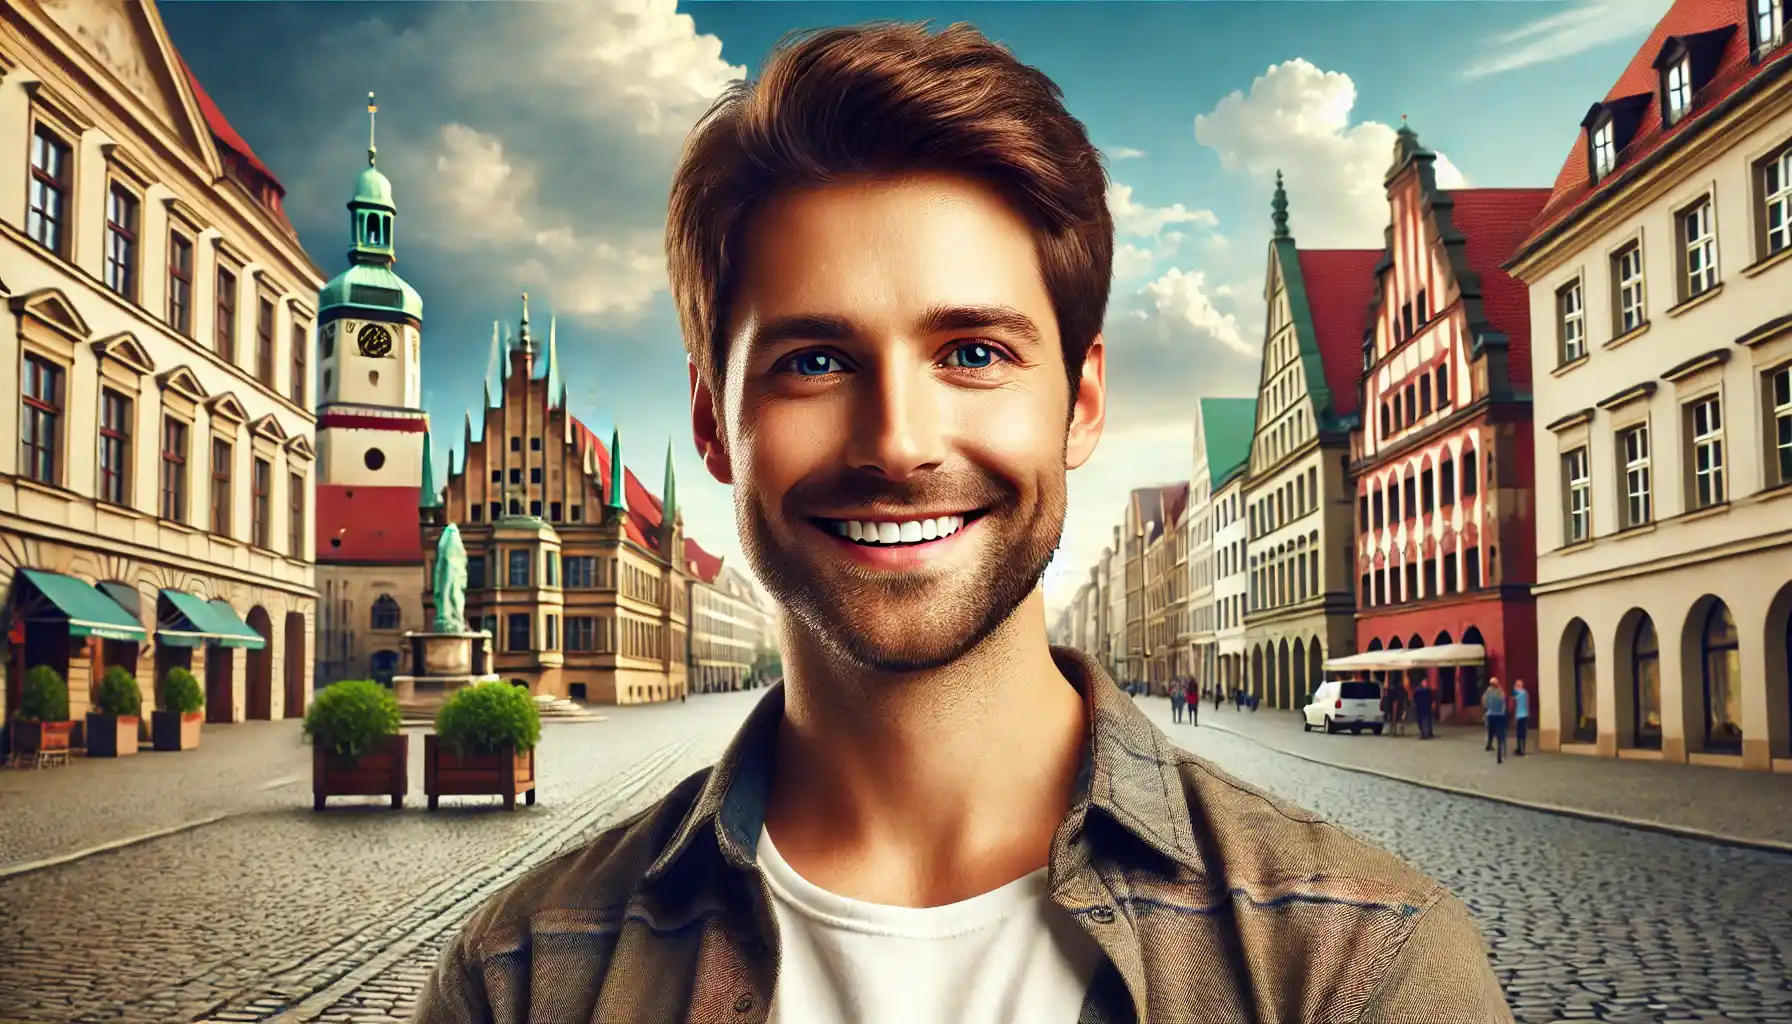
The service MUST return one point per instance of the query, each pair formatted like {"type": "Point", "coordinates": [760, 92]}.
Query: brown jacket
{"type": "Point", "coordinates": [1214, 902]}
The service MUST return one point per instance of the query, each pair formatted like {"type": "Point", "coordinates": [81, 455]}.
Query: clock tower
{"type": "Point", "coordinates": [373, 470]}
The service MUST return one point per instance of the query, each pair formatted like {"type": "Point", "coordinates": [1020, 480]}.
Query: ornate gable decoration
{"type": "Point", "coordinates": [181, 381]}
{"type": "Point", "coordinates": [226, 407]}
{"type": "Point", "coordinates": [126, 350]}
{"type": "Point", "coordinates": [50, 307]}
{"type": "Point", "coordinates": [299, 448]}
{"type": "Point", "coordinates": [269, 427]}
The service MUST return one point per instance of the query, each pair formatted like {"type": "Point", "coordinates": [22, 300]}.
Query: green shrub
{"type": "Point", "coordinates": [486, 718]}
{"type": "Point", "coordinates": [44, 696]}
{"type": "Point", "coordinates": [181, 693]}
{"type": "Point", "coordinates": [118, 694]}
{"type": "Point", "coordinates": [350, 717]}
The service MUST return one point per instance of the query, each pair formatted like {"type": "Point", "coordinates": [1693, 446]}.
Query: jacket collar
{"type": "Point", "coordinates": [1129, 774]}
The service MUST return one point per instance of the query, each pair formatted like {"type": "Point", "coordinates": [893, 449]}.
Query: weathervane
{"type": "Point", "coordinates": [372, 110]}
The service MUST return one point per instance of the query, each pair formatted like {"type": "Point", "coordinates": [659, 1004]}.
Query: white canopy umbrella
{"type": "Point", "coordinates": [1441, 656]}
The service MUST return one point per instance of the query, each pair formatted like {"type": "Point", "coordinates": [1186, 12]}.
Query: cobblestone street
{"type": "Point", "coordinates": [281, 914]}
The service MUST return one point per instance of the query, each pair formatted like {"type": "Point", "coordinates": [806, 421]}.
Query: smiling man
{"type": "Point", "coordinates": [891, 257]}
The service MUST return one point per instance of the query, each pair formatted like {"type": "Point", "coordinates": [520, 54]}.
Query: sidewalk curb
{"type": "Point", "coordinates": [15, 870]}
{"type": "Point", "coordinates": [1641, 824]}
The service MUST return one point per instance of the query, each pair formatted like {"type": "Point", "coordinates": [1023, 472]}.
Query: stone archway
{"type": "Point", "coordinates": [1284, 678]}
{"type": "Point", "coordinates": [1778, 648]}
{"type": "Point", "coordinates": [293, 650]}
{"type": "Point", "coordinates": [1256, 680]}
{"type": "Point", "coordinates": [1577, 691]}
{"type": "Point", "coordinates": [258, 682]}
{"type": "Point", "coordinates": [1711, 674]}
{"type": "Point", "coordinates": [1301, 686]}
{"type": "Point", "coordinates": [1315, 670]}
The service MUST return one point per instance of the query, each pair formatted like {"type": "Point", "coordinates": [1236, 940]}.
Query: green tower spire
{"type": "Point", "coordinates": [370, 284]}
{"type": "Point", "coordinates": [615, 499]}
{"type": "Point", "coordinates": [428, 496]}
{"type": "Point", "coordinates": [1279, 208]}
{"type": "Point", "coordinates": [669, 509]}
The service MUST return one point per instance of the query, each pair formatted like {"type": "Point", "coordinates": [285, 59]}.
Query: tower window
{"type": "Point", "coordinates": [535, 474]}
{"type": "Point", "coordinates": [535, 444]}
{"type": "Point", "coordinates": [374, 458]}
{"type": "Point", "coordinates": [497, 510]}
{"type": "Point", "coordinates": [497, 476]}
{"type": "Point", "coordinates": [516, 444]}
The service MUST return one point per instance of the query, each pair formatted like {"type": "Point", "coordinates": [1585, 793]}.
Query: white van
{"type": "Point", "coordinates": [1344, 704]}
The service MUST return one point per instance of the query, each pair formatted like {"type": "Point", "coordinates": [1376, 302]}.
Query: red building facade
{"type": "Point", "coordinates": [1442, 455]}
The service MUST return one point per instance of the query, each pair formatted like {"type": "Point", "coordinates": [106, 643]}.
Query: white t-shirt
{"type": "Point", "coordinates": [1009, 956]}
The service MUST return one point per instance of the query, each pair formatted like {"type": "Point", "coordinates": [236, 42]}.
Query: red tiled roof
{"type": "Point", "coordinates": [1175, 504]}
{"type": "Point", "coordinates": [701, 563]}
{"type": "Point", "coordinates": [220, 127]}
{"type": "Point", "coordinates": [373, 524]}
{"type": "Point", "coordinates": [1340, 283]}
{"type": "Point", "coordinates": [644, 509]}
{"type": "Point", "coordinates": [1495, 221]}
{"type": "Point", "coordinates": [1734, 70]}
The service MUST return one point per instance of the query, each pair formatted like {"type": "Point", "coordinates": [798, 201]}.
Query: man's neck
{"type": "Point", "coordinates": [930, 788]}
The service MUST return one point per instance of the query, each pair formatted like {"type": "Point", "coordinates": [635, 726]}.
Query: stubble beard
{"type": "Point", "coordinates": [915, 622]}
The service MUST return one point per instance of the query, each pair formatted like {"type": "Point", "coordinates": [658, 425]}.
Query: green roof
{"type": "Point", "coordinates": [89, 611]}
{"type": "Point", "coordinates": [370, 286]}
{"type": "Point", "coordinates": [374, 189]}
{"type": "Point", "coordinates": [1227, 425]}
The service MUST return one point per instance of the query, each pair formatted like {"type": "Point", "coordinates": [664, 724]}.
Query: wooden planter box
{"type": "Point", "coordinates": [31, 737]}
{"type": "Point", "coordinates": [382, 771]}
{"type": "Point", "coordinates": [506, 773]}
{"type": "Point", "coordinates": [171, 730]}
{"type": "Point", "coordinates": [112, 735]}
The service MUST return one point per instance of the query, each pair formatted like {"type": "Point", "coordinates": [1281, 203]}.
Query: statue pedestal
{"type": "Point", "coordinates": [442, 663]}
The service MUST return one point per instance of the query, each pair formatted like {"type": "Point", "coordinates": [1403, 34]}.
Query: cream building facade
{"type": "Point", "coordinates": [1231, 581]}
{"type": "Point", "coordinates": [1194, 636]}
{"type": "Point", "coordinates": [1113, 560]}
{"type": "Point", "coordinates": [1659, 284]}
{"type": "Point", "coordinates": [1223, 428]}
{"type": "Point", "coordinates": [728, 628]}
{"type": "Point", "coordinates": [157, 319]}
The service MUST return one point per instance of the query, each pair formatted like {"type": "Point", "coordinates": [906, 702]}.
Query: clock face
{"type": "Point", "coordinates": [375, 341]}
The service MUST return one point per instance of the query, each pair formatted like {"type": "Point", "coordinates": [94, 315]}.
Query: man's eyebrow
{"type": "Point", "coordinates": [801, 327]}
{"type": "Point", "coordinates": [943, 319]}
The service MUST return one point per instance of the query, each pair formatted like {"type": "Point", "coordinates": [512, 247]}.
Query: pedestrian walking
{"type": "Point", "coordinates": [1398, 724]}
{"type": "Point", "coordinates": [1493, 703]}
{"type": "Point", "coordinates": [1178, 698]}
{"type": "Point", "coordinates": [1521, 714]}
{"type": "Point", "coordinates": [1194, 702]}
{"type": "Point", "coordinates": [1424, 705]}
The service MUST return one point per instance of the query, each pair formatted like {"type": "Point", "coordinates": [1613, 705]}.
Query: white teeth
{"type": "Point", "coordinates": [911, 531]}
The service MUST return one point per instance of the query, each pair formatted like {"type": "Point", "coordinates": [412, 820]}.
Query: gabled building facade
{"type": "Point", "coordinates": [1659, 273]}
{"type": "Point", "coordinates": [156, 310]}
{"type": "Point", "coordinates": [1296, 491]}
{"type": "Point", "coordinates": [1223, 428]}
{"type": "Point", "coordinates": [728, 626]}
{"type": "Point", "coordinates": [579, 573]}
{"type": "Point", "coordinates": [1229, 455]}
{"type": "Point", "coordinates": [1442, 457]}
{"type": "Point", "coordinates": [1165, 578]}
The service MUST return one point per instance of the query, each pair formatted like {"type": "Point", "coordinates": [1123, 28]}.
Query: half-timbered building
{"type": "Point", "coordinates": [1442, 457]}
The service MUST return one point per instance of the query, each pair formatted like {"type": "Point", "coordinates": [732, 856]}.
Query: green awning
{"type": "Point", "coordinates": [237, 632]}
{"type": "Point", "coordinates": [194, 624]}
{"type": "Point", "coordinates": [89, 612]}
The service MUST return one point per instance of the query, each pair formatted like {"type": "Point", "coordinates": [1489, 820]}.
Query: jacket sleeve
{"type": "Point", "coordinates": [454, 994]}
{"type": "Point", "coordinates": [1441, 973]}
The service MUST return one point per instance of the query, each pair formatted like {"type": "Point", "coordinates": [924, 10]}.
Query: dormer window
{"type": "Point", "coordinates": [1677, 90]}
{"type": "Point", "coordinates": [1605, 153]}
{"type": "Point", "coordinates": [1767, 24]}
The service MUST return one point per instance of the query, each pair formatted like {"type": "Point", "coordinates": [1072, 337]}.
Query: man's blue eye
{"type": "Point", "coordinates": [975, 357]}
{"type": "Point", "coordinates": [814, 364]}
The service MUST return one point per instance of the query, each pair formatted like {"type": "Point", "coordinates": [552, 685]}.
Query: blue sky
{"type": "Point", "coordinates": [530, 146]}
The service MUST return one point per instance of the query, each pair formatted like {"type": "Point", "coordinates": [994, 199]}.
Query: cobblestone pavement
{"type": "Point", "coordinates": [1586, 921]}
{"type": "Point", "coordinates": [1719, 801]}
{"type": "Point", "coordinates": [280, 912]}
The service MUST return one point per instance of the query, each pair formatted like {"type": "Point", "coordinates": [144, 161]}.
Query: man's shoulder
{"type": "Point", "coordinates": [590, 885]}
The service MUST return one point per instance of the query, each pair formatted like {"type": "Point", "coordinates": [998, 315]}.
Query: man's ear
{"type": "Point", "coordinates": [1088, 407]}
{"type": "Point", "coordinates": [706, 427]}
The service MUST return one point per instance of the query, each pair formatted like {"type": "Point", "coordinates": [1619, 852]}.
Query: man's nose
{"type": "Point", "coordinates": [898, 423]}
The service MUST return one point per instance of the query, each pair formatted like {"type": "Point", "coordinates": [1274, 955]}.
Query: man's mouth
{"type": "Point", "coordinates": [898, 532]}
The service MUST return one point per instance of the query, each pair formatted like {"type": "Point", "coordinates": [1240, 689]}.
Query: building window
{"type": "Point", "coordinates": [1707, 429]}
{"type": "Point", "coordinates": [516, 444]}
{"type": "Point", "coordinates": [262, 479]}
{"type": "Point", "coordinates": [1645, 680]}
{"type": "Point", "coordinates": [1577, 485]}
{"type": "Point", "coordinates": [1767, 25]}
{"type": "Point", "coordinates": [1779, 400]}
{"type": "Point", "coordinates": [497, 509]}
{"type": "Point", "coordinates": [300, 372]}
{"type": "Point", "coordinates": [518, 640]}
{"type": "Point", "coordinates": [551, 641]}
{"type": "Point", "coordinates": [123, 213]}
{"type": "Point", "coordinates": [1426, 480]}
{"type": "Point", "coordinates": [1450, 573]}
{"type": "Point", "coordinates": [535, 509]}
{"type": "Point", "coordinates": [221, 455]}
{"type": "Point", "coordinates": [1605, 153]}
{"type": "Point", "coordinates": [295, 523]}
{"type": "Point", "coordinates": [46, 217]}
{"type": "Point", "coordinates": [516, 476]}
{"type": "Point", "coordinates": [554, 511]}
{"type": "Point", "coordinates": [1443, 386]}
{"type": "Point", "coordinates": [475, 572]}
{"type": "Point", "coordinates": [581, 572]}
{"type": "Point", "coordinates": [1698, 240]}
{"type": "Point", "coordinates": [1410, 492]}
{"type": "Point", "coordinates": [1586, 688]}
{"type": "Point", "coordinates": [385, 612]}
{"type": "Point", "coordinates": [552, 561]}
{"type": "Point", "coordinates": [1677, 94]}
{"type": "Point", "coordinates": [225, 329]}
{"type": "Point", "coordinates": [535, 474]}
{"type": "Point", "coordinates": [1775, 210]}
{"type": "Point", "coordinates": [115, 446]}
{"type": "Point", "coordinates": [581, 633]}
{"type": "Point", "coordinates": [264, 341]}
{"type": "Point", "coordinates": [577, 513]}
{"type": "Point", "coordinates": [1571, 322]}
{"type": "Point", "coordinates": [1446, 483]}
{"type": "Point", "coordinates": [40, 431]}
{"type": "Point", "coordinates": [1387, 420]}
{"type": "Point", "coordinates": [180, 283]}
{"type": "Point", "coordinates": [1722, 665]}
{"type": "Point", "coordinates": [1634, 444]}
{"type": "Point", "coordinates": [519, 568]}
{"type": "Point", "coordinates": [174, 470]}
{"type": "Point", "coordinates": [478, 513]}
{"type": "Point", "coordinates": [1627, 275]}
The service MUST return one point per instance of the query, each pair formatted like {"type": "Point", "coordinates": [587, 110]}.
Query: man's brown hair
{"type": "Point", "coordinates": [881, 99]}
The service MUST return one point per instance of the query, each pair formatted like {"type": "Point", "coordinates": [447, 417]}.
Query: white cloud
{"type": "Point", "coordinates": [1134, 218]}
{"type": "Point", "coordinates": [1296, 119]}
{"type": "Point", "coordinates": [1124, 153]}
{"type": "Point", "coordinates": [1126, 458]}
{"type": "Point", "coordinates": [1564, 33]}
{"type": "Point", "coordinates": [1169, 343]}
